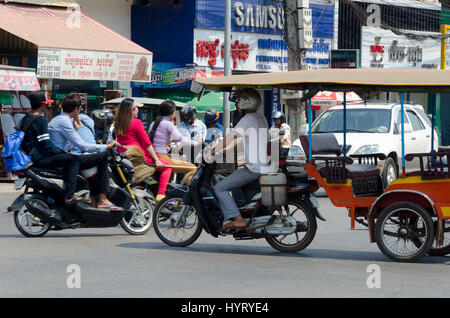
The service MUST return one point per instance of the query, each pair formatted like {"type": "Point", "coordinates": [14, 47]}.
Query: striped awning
{"type": "Point", "coordinates": [78, 41]}
{"type": "Point", "coordinates": [61, 28]}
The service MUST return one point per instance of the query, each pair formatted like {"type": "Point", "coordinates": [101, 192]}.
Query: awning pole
{"type": "Point", "coordinates": [309, 130]}
{"type": "Point", "coordinates": [345, 124]}
{"type": "Point", "coordinates": [402, 110]}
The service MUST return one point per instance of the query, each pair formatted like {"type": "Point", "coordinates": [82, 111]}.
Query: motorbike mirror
{"type": "Point", "coordinates": [233, 97]}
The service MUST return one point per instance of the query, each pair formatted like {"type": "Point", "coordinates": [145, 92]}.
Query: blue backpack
{"type": "Point", "coordinates": [14, 159]}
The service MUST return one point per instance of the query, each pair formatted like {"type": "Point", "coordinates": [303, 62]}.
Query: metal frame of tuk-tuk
{"type": "Point", "coordinates": [428, 187]}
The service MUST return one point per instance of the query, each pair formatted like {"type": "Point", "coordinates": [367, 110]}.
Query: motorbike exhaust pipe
{"type": "Point", "coordinates": [41, 211]}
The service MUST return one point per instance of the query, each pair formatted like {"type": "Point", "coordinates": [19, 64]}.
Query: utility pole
{"type": "Point", "coordinates": [294, 14]}
{"type": "Point", "coordinates": [227, 64]}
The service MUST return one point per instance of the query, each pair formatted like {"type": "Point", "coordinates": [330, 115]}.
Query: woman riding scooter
{"type": "Point", "coordinates": [130, 131]}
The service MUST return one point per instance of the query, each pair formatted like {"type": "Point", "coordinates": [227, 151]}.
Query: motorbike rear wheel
{"type": "Point", "coordinates": [28, 224]}
{"type": "Point", "coordinates": [169, 212]}
{"type": "Point", "coordinates": [306, 222]}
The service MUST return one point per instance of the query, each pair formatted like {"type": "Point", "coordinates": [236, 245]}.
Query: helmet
{"type": "Point", "coordinates": [279, 115]}
{"type": "Point", "coordinates": [211, 116]}
{"type": "Point", "coordinates": [189, 111]}
{"type": "Point", "coordinates": [102, 118]}
{"type": "Point", "coordinates": [248, 99]}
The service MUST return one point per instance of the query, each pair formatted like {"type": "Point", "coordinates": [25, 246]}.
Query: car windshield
{"type": "Point", "coordinates": [358, 120]}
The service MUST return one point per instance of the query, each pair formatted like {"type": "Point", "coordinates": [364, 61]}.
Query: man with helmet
{"type": "Point", "coordinates": [103, 119]}
{"type": "Point", "coordinates": [192, 128]}
{"type": "Point", "coordinates": [214, 128]}
{"type": "Point", "coordinates": [253, 128]}
{"type": "Point", "coordinates": [281, 130]}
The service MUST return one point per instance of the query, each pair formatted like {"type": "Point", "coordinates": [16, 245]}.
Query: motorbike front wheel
{"type": "Point", "coordinates": [28, 224]}
{"type": "Point", "coordinates": [138, 218]}
{"type": "Point", "coordinates": [175, 223]}
{"type": "Point", "coordinates": [306, 228]}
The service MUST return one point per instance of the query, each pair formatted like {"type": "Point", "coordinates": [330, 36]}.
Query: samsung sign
{"type": "Point", "coordinates": [257, 16]}
{"type": "Point", "coordinates": [260, 16]}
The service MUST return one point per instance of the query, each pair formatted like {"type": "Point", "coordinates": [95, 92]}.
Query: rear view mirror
{"type": "Point", "coordinates": [233, 97]}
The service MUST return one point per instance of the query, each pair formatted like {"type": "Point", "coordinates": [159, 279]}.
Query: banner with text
{"type": "Point", "coordinates": [383, 49]}
{"type": "Point", "coordinates": [93, 65]}
{"type": "Point", "coordinates": [249, 52]}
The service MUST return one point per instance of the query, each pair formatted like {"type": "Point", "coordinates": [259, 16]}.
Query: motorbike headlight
{"type": "Point", "coordinates": [368, 150]}
{"type": "Point", "coordinates": [296, 151]}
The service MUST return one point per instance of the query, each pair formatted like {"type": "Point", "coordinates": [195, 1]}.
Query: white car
{"type": "Point", "coordinates": [375, 127]}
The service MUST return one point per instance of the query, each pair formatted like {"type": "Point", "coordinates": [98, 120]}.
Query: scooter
{"type": "Point", "coordinates": [41, 207]}
{"type": "Point", "coordinates": [179, 219]}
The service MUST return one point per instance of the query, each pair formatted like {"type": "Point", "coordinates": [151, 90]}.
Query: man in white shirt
{"type": "Point", "coordinates": [253, 128]}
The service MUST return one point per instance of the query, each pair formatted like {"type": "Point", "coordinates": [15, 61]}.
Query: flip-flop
{"type": "Point", "coordinates": [111, 207]}
{"type": "Point", "coordinates": [230, 226]}
{"type": "Point", "coordinates": [76, 200]}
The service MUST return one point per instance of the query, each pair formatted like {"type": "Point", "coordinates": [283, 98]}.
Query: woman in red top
{"type": "Point", "coordinates": [130, 132]}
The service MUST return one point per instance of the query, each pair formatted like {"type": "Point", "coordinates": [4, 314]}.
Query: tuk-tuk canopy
{"type": "Point", "coordinates": [392, 80]}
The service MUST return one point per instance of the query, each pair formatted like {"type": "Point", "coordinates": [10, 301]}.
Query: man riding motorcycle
{"type": "Point", "coordinates": [254, 128]}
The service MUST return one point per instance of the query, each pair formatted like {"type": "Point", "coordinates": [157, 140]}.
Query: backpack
{"type": "Point", "coordinates": [14, 159]}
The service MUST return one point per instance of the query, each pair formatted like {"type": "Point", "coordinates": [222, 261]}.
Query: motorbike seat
{"type": "Point", "coordinates": [54, 173]}
{"type": "Point", "coordinates": [243, 195]}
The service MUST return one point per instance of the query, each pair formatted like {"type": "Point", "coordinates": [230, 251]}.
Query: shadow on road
{"type": "Point", "coordinates": [268, 251]}
{"type": "Point", "coordinates": [61, 235]}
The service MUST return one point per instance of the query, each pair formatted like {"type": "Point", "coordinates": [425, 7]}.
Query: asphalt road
{"type": "Point", "coordinates": [115, 264]}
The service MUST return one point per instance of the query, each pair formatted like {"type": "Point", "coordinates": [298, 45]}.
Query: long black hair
{"type": "Point", "coordinates": [124, 116]}
{"type": "Point", "coordinates": [167, 108]}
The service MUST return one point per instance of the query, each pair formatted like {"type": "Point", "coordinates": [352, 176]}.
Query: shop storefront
{"type": "Point", "coordinates": [71, 51]}
{"type": "Point", "coordinates": [408, 39]}
{"type": "Point", "coordinates": [257, 43]}
{"type": "Point", "coordinates": [15, 83]}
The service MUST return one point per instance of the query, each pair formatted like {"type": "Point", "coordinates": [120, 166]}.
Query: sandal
{"type": "Point", "coordinates": [231, 226]}
{"type": "Point", "coordinates": [112, 207]}
{"type": "Point", "coordinates": [74, 200]}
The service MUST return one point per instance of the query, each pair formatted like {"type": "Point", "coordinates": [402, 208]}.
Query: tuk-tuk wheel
{"type": "Point", "coordinates": [404, 232]}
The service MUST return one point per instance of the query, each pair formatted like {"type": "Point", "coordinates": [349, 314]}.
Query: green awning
{"type": "Point", "coordinates": [208, 100]}
{"type": "Point", "coordinates": [6, 98]}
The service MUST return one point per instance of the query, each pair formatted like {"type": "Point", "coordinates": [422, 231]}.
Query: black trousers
{"type": "Point", "coordinates": [100, 182]}
{"type": "Point", "coordinates": [73, 164]}
{"type": "Point", "coordinates": [70, 165]}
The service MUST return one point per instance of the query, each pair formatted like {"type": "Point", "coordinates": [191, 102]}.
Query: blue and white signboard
{"type": "Point", "coordinates": [260, 16]}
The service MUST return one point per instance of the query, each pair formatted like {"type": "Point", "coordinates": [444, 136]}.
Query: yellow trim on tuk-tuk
{"type": "Point", "coordinates": [417, 179]}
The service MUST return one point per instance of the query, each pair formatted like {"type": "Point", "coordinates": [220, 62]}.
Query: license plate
{"type": "Point", "coordinates": [314, 202]}
{"type": "Point", "coordinates": [19, 183]}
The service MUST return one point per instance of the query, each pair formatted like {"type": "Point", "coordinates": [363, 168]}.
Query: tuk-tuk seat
{"type": "Point", "coordinates": [336, 169]}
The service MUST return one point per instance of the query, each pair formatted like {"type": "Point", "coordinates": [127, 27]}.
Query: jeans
{"type": "Point", "coordinates": [236, 180]}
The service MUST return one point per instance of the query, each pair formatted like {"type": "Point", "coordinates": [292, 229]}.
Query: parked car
{"type": "Point", "coordinates": [375, 127]}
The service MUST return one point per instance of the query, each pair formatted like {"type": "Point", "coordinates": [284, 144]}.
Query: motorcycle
{"type": "Point", "coordinates": [186, 211]}
{"type": "Point", "coordinates": [41, 207]}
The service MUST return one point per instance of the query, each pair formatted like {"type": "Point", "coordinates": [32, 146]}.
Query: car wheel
{"type": "Point", "coordinates": [389, 172]}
